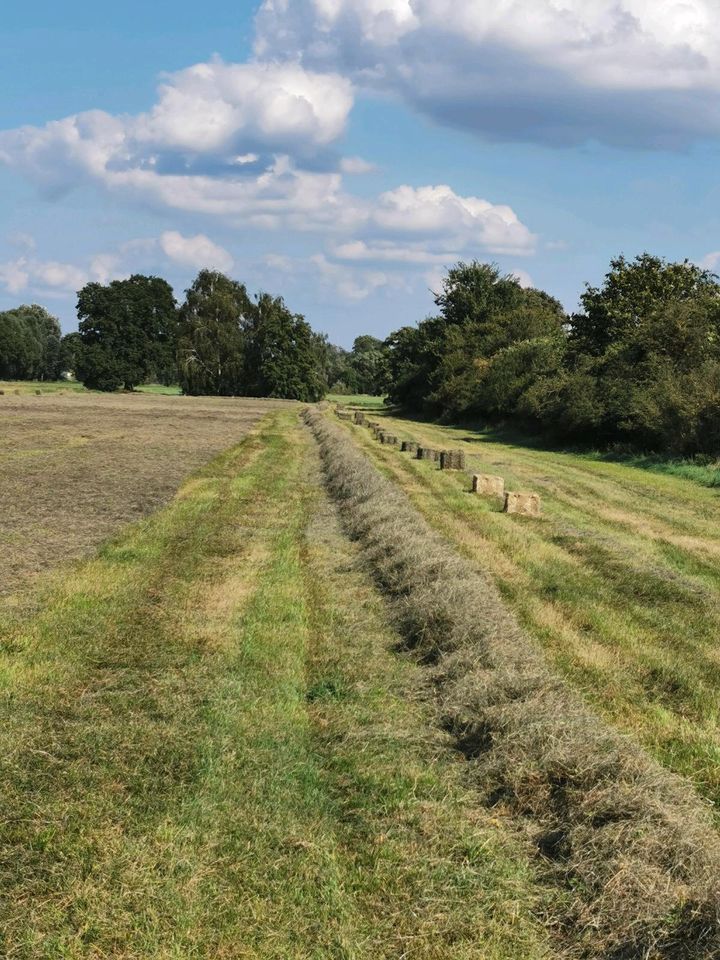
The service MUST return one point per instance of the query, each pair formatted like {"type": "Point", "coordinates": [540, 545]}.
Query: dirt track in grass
{"type": "Point", "coordinates": [75, 467]}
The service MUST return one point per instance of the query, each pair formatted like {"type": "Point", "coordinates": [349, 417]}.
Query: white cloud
{"type": "Point", "coordinates": [48, 276]}
{"type": "Point", "coordinates": [711, 261]}
{"type": "Point", "coordinates": [51, 277]}
{"type": "Point", "coordinates": [215, 106]}
{"type": "Point", "coordinates": [437, 211]}
{"type": "Point", "coordinates": [356, 165]}
{"type": "Point", "coordinates": [347, 282]}
{"type": "Point", "coordinates": [523, 278]}
{"type": "Point", "coordinates": [198, 252]}
{"type": "Point", "coordinates": [561, 71]}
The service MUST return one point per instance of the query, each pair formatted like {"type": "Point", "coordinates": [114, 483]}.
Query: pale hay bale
{"type": "Point", "coordinates": [486, 485]}
{"type": "Point", "coordinates": [523, 504]}
{"type": "Point", "coordinates": [409, 446]}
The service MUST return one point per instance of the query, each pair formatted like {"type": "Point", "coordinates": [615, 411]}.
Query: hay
{"type": "Point", "coordinates": [452, 460]}
{"type": "Point", "coordinates": [389, 440]}
{"type": "Point", "coordinates": [486, 485]}
{"type": "Point", "coordinates": [523, 504]}
{"type": "Point", "coordinates": [360, 418]}
{"type": "Point", "coordinates": [630, 848]}
{"type": "Point", "coordinates": [427, 453]}
{"type": "Point", "coordinates": [409, 446]}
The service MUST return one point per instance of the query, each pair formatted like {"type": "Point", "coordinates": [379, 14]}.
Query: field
{"type": "Point", "coordinates": [249, 724]}
{"type": "Point", "coordinates": [619, 582]}
{"type": "Point", "coordinates": [75, 466]}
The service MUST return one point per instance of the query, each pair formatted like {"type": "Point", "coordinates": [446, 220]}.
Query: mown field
{"type": "Point", "coordinates": [217, 740]}
{"type": "Point", "coordinates": [619, 581]}
{"type": "Point", "coordinates": [74, 466]}
{"type": "Point", "coordinates": [209, 746]}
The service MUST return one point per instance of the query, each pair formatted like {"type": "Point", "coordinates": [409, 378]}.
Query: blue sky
{"type": "Point", "coordinates": [344, 153]}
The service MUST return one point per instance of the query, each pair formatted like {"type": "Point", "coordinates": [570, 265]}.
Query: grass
{"type": "Point", "coordinates": [75, 466]}
{"type": "Point", "coordinates": [361, 400]}
{"type": "Point", "coordinates": [20, 387]}
{"type": "Point", "coordinates": [619, 582]}
{"type": "Point", "coordinates": [632, 850]}
{"type": "Point", "coordinates": [209, 749]}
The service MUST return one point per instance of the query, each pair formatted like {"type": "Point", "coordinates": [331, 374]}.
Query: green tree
{"type": "Point", "coordinates": [214, 320]}
{"type": "Point", "coordinates": [70, 348]}
{"type": "Point", "coordinates": [29, 344]}
{"type": "Point", "coordinates": [283, 357]}
{"type": "Point", "coordinates": [128, 332]}
{"type": "Point", "coordinates": [368, 362]}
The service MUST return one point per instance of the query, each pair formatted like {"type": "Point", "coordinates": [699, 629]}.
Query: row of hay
{"type": "Point", "coordinates": [629, 848]}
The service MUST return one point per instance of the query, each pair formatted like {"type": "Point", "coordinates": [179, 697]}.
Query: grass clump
{"type": "Point", "coordinates": [630, 847]}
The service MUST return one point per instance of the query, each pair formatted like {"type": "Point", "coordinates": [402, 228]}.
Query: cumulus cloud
{"type": "Point", "coordinates": [51, 277]}
{"type": "Point", "coordinates": [620, 71]}
{"type": "Point", "coordinates": [227, 139]}
{"type": "Point", "coordinates": [198, 252]}
{"type": "Point", "coordinates": [48, 276]}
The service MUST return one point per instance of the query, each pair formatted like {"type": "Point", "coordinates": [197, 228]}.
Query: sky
{"type": "Point", "coordinates": [345, 153]}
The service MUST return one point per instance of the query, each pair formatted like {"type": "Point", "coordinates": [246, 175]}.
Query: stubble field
{"type": "Point", "coordinates": [76, 466]}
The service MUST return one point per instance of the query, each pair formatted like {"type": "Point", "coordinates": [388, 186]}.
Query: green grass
{"type": "Point", "coordinates": [160, 389]}
{"type": "Point", "coordinates": [362, 400]}
{"type": "Point", "coordinates": [705, 473]}
{"type": "Point", "coordinates": [209, 749]}
{"type": "Point", "coordinates": [45, 386]}
{"type": "Point", "coordinates": [619, 581]}
{"type": "Point", "coordinates": [64, 386]}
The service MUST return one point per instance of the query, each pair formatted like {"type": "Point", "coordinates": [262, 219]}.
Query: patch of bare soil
{"type": "Point", "coordinates": [75, 467]}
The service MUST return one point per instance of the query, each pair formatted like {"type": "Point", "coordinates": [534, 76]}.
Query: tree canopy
{"type": "Point", "coordinates": [128, 333]}
{"type": "Point", "coordinates": [29, 344]}
{"type": "Point", "coordinates": [638, 364]}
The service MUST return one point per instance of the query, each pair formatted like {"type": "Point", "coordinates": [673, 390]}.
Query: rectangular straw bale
{"type": "Point", "coordinates": [523, 504]}
{"type": "Point", "coordinates": [452, 460]}
{"type": "Point", "coordinates": [409, 446]}
{"type": "Point", "coordinates": [427, 453]}
{"type": "Point", "coordinates": [487, 485]}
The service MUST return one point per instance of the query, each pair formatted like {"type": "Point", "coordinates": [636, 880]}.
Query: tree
{"type": "Point", "coordinates": [458, 364]}
{"type": "Point", "coordinates": [29, 344]}
{"type": "Point", "coordinates": [128, 332]}
{"type": "Point", "coordinates": [70, 348]}
{"type": "Point", "coordinates": [283, 357]}
{"type": "Point", "coordinates": [368, 362]}
{"type": "Point", "coordinates": [631, 292]}
{"type": "Point", "coordinates": [211, 343]}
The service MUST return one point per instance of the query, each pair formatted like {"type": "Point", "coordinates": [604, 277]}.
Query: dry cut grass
{"type": "Point", "coordinates": [631, 848]}
{"type": "Point", "coordinates": [75, 466]}
{"type": "Point", "coordinates": [619, 581]}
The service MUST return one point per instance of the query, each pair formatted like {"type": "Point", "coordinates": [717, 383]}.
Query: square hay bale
{"type": "Point", "coordinates": [360, 418]}
{"type": "Point", "coordinates": [409, 446]}
{"type": "Point", "coordinates": [523, 504]}
{"type": "Point", "coordinates": [427, 453]}
{"type": "Point", "coordinates": [486, 485]}
{"type": "Point", "coordinates": [389, 439]}
{"type": "Point", "coordinates": [452, 460]}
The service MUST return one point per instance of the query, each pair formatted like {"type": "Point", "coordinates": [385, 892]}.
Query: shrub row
{"type": "Point", "coordinates": [629, 849]}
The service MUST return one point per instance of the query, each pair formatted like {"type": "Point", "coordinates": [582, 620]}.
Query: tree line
{"type": "Point", "coordinates": [637, 365]}
{"type": "Point", "coordinates": [220, 341]}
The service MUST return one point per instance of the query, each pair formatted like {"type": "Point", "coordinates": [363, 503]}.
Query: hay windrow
{"type": "Point", "coordinates": [630, 847]}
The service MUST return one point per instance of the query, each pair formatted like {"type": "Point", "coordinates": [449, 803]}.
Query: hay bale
{"type": "Point", "coordinates": [360, 418]}
{"type": "Point", "coordinates": [38, 393]}
{"type": "Point", "coordinates": [427, 453]}
{"type": "Point", "coordinates": [2, 393]}
{"type": "Point", "coordinates": [452, 460]}
{"type": "Point", "coordinates": [389, 439]}
{"type": "Point", "coordinates": [409, 446]}
{"type": "Point", "coordinates": [486, 485]}
{"type": "Point", "coordinates": [524, 504]}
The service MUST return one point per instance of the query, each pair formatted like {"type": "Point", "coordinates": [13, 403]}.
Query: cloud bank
{"type": "Point", "coordinates": [625, 72]}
